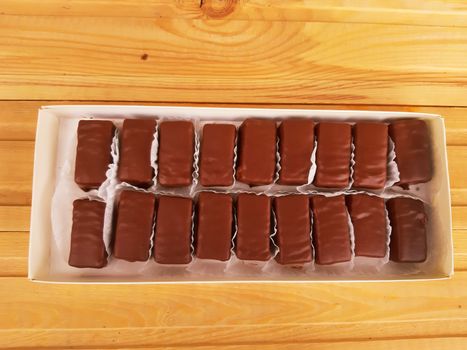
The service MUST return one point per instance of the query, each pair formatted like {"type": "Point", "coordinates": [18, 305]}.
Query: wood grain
{"type": "Point", "coordinates": [142, 315]}
{"type": "Point", "coordinates": [14, 247]}
{"type": "Point", "coordinates": [88, 58]}
{"type": "Point", "coordinates": [16, 158]}
{"type": "Point", "coordinates": [415, 12]}
{"type": "Point", "coordinates": [289, 336]}
{"type": "Point", "coordinates": [14, 218]}
{"type": "Point", "coordinates": [406, 344]}
{"type": "Point", "coordinates": [312, 54]}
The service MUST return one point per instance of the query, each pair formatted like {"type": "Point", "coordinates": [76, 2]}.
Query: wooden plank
{"type": "Point", "coordinates": [148, 88]}
{"type": "Point", "coordinates": [18, 118]}
{"type": "Point", "coordinates": [454, 343]}
{"type": "Point", "coordinates": [232, 61]}
{"type": "Point", "coordinates": [14, 218]}
{"type": "Point", "coordinates": [225, 338]}
{"type": "Point", "coordinates": [459, 196]}
{"type": "Point", "coordinates": [286, 51]}
{"type": "Point", "coordinates": [460, 244]}
{"type": "Point", "coordinates": [459, 218]}
{"type": "Point", "coordinates": [451, 13]}
{"type": "Point", "coordinates": [14, 248]}
{"type": "Point", "coordinates": [216, 314]}
{"type": "Point", "coordinates": [457, 159]}
{"type": "Point", "coordinates": [16, 158]}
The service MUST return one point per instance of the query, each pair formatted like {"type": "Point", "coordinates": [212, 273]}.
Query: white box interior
{"type": "Point", "coordinates": [440, 265]}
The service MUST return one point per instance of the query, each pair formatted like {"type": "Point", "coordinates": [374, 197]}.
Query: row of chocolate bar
{"type": "Point", "coordinates": [257, 143]}
{"type": "Point", "coordinates": [295, 238]}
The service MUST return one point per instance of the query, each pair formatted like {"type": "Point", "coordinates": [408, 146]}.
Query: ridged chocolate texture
{"type": "Point", "coordinates": [295, 147]}
{"type": "Point", "coordinates": [93, 152]}
{"type": "Point", "coordinates": [87, 247]}
{"type": "Point", "coordinates": [333, 155]}
{"type": "Point", "coordinates": [217, 155]}
{"type": "Point", "coordinates": [135, 152]}
{"type": "Point", "coordinates": [331, 235]}
{"type": "Point", "coordinates": [135, 219]}
{"type": "Point", "coordinates": [371, 155]}
{"type": "Point", "coordinates": [413, 151]}
{"type": "Point", "coordinates": [172, 242]}
{"type": "Point", "coordinates": [257, 152]}
{"type": "Point", "coordinates": [214, 226]}
{"type": "Point", "coordinates": [254, 227]}
{"type": "Point", "coordinates": [408, 237]}
{"type": "Point", "coordinates": [293, 229]}
{"type": "Point", "coordinates": [368, 215]}
{"type": "Point", "coordinates": [176, 151]}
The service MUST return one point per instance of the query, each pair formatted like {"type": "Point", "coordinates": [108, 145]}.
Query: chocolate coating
{"type": "Point", "coordinates": [295, 147]}
{"type": "Point", "coordinates": [413, 151]}
{"type": "Point", "coordinates": [135, 219]}
{"type": "Point", "coordinates": [408, 237]}
{"type": "Point", "coordinates": [87, 247]}
{"type": "Point", "coordinates": [257, 152]}
{"type": "Point", "coordinates": [214, 229]}
{"type": "Point", "coordinates": [172, 242]}
{"type": "Point", "coordinates": [253, 227]}
{"type": "Point", "coordinates": [135, 152]}
{"type": "Point", "coordinates": [333, 155]}
{"type": "Point", "coordinates": [217, 155]}
{"type": "Point", "coordinates": [331, 235]}
{"type": "Point", "coordinates": [93, 152]}
{"type": "Point", "coordinates": [368, 215]}
{"type": "Point", "coordinates": [176, 151]}
{"type": "Point", "coordinates": [293, 229]}
{"type": "Point", "coordinates": [371, 155]}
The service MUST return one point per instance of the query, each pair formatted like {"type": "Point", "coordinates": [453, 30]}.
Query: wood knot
{"type": "Point", "coordinates": [217, 8]}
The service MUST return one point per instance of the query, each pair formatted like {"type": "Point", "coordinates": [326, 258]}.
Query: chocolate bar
{"type": "Point", "coordinates": [368, 215]}
{"type": "Point", "coordinates": [295, 147]}
{"type": "Point", "coordinates": [176, 151]}
{"type": "Point", "coordinates": [413, 151]}
{"type": "Point", "coordinates": [135, 220]}
{"type": "Point", "coordinates": [87, 247]}
{"type": "Point", "coordinates": [217, 155]}
{"type": "Point", "coordinates": [371, 155]}
{"type": "Point", "coordinates": [214, 230]}
{"type": "Point", "coordinates": [408, 237]}
{"type": "Point", "coordinates": [172, 242]}
{"type": "Point", "coordinates": [253, 227]}
{"type": "Point", "coordinates": [93, 152]}
{"type": "Point", "coordinates": [333, 155]}
{"type": "Point", "coordinates": [331, 234]}
{"type": "Point", "coordinates": [135, 152]}
{"type": "Point", "coordinates": [293, 229]}
{"type": "Point", "coordinates": [257, 152]}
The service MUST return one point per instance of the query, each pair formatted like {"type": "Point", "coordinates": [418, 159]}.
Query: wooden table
{"type": "Point", "coordinates": [384, 55]}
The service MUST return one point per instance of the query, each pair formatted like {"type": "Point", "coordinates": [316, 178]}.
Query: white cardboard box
{"type": "Point", "coordinates": [439, 265]}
